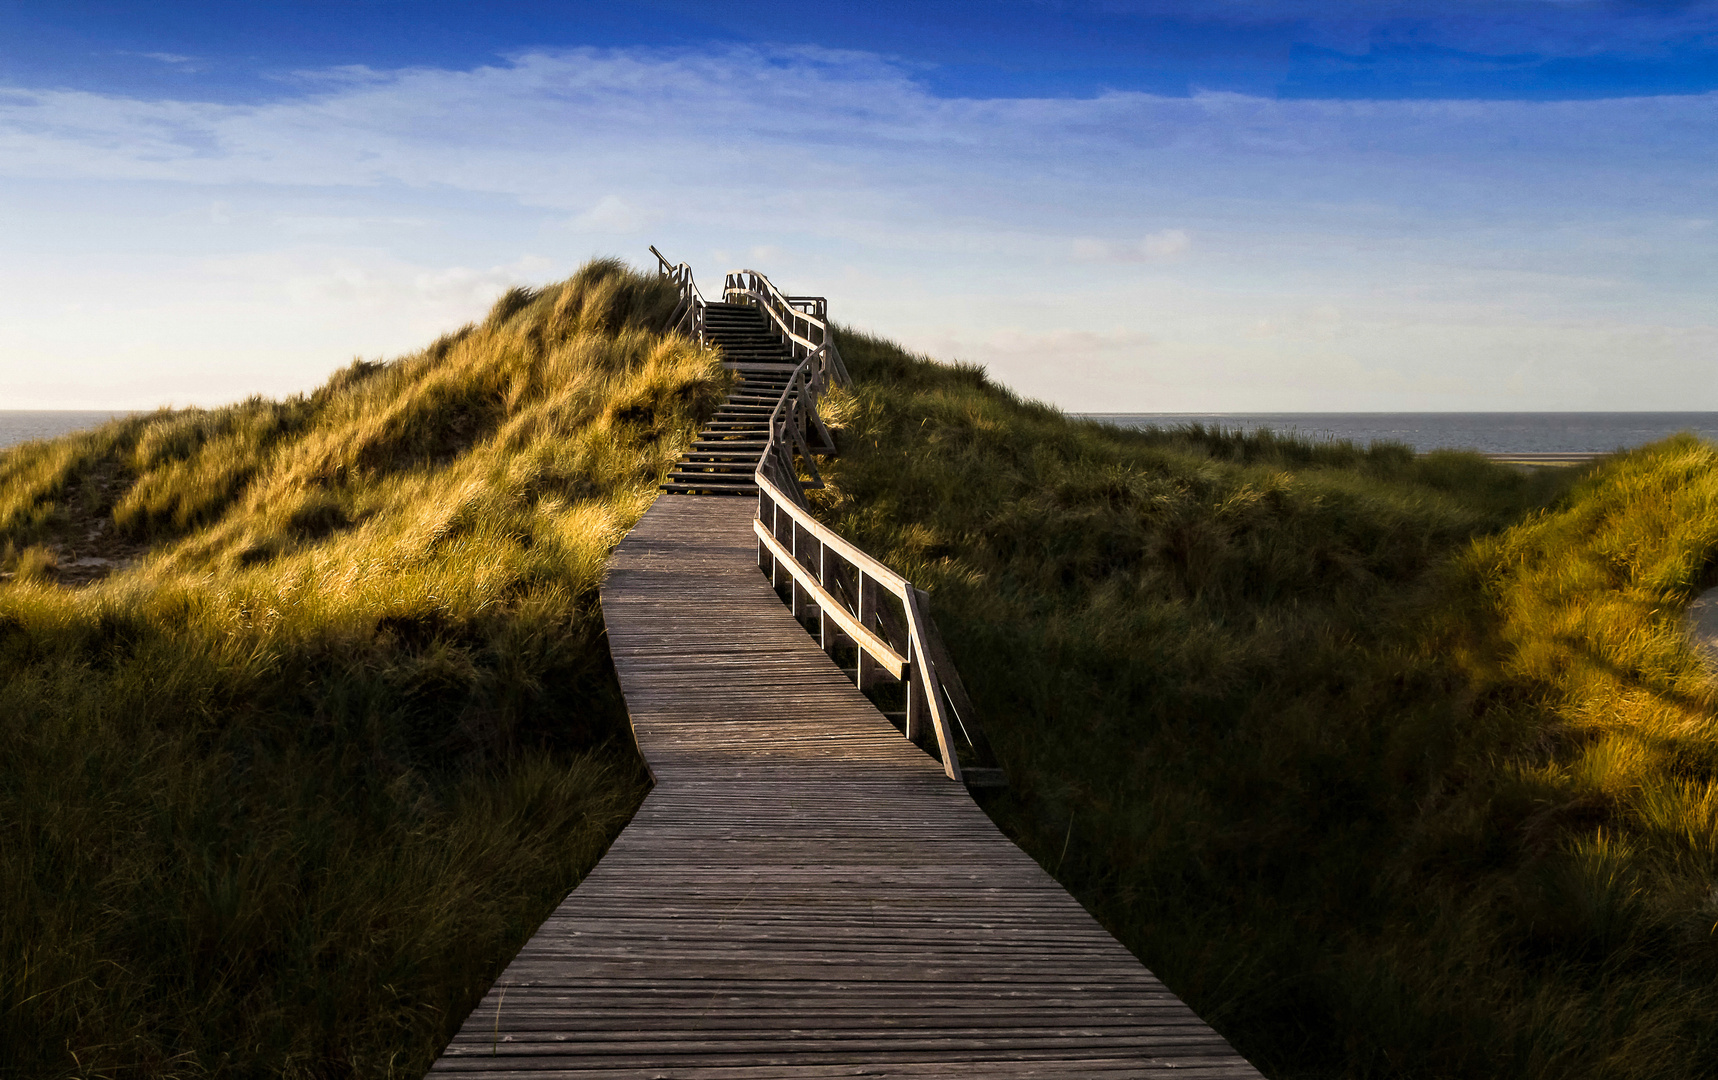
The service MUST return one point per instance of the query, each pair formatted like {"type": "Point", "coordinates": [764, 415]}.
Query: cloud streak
{"type": "Point", "coordinates": [518, 129]}
{"type": "Point", "coordinates": [1186, 222]}
{"type": "Point", "coordinates": [1158, 246]}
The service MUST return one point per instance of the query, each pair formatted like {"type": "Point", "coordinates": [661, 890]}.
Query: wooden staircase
{"type": "Point", "coordinates": [725, 455]}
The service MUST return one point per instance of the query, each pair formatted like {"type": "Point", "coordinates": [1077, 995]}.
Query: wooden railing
{"type": "Point", "coordinates": [688, 315]}
{"type": "Point", "coordinates": [854, 600]}
{"type": "Point", "coordinates": [797, 435]}
{"type": "Point", "coordinates": [802, 322]}
{"type": "Point", "coordinates": [858, 602]}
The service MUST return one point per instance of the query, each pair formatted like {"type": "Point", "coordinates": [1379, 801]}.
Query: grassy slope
{"type": "Point", "coordinates": [282, 795]}
{"type": "Point", "coordinates": [1386, 770]}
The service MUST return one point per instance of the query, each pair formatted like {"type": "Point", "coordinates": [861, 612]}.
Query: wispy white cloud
{"type": "Point", "coordinates": [612, 214]}
{"type": "Point", "coordinates": [1166, 244]}
{"type": "Point", "coordinates": [176, 59]}
{"type": "Point", "coordinates": [799, 120]}
{"type": "Point", "coordinates": [1192, 230]}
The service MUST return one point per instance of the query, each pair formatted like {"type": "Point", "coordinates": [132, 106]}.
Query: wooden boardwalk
{"type": "Point", "coordinates": [803, 894]}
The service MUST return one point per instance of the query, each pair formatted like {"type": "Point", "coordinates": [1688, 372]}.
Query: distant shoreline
{"type": "Point", "coordinates": [22, 425]}
{"type": "Point", "coordinates": [1528, 437]}
{"type": "Point", "coordinates": [1519, 435]}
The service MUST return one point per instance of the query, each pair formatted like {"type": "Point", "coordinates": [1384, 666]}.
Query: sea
{"type": "Point", "coordinates": [22, 425]}
{"type": "Point", "coordinates": [1487, 432]}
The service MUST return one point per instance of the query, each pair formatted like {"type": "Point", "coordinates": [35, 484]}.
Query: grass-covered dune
{"type": "Point", "coordinates": [305, 719]}
{"type": "Point", "coordinates": [1391, 766]}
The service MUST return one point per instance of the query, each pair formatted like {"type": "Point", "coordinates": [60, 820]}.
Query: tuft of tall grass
{"type": "Point", "coordinates": [1389, 765]}
{"type": "Point", "coordinates": [283, 792]}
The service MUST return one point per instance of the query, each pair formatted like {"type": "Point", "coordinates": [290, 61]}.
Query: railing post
{"type": "Point", "coordinates": [934, 711]}
{"type": "Point", "coordinates": [916, 703]}
{"type": "Point", "coordinates": [867, 668]}
{"type": "Point", "coordinates": [775, 531]}
{"type": "Point", "coordinates": [793, 578]}
{"type": "Point", "coordinates": [766, 562]}
{"type": "Point", "coordinates": [825, 625]}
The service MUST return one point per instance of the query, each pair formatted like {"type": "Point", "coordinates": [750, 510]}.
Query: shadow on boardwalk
{"type": "Point", "coordinates": [804, 894]}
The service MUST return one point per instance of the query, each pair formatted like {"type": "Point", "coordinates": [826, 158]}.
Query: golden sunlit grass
{"type": "Point", "coordinates": [284, 791]}
{"type": "Point", "coordinates": [1587, 603]}
{"type": "Point", "coordinates": [1391, 766]}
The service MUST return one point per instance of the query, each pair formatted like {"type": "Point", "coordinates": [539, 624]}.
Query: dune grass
{"type": "Point", "coordinates": [305, 718]}
{"type": "Point", "coordinates": [1391, 766]}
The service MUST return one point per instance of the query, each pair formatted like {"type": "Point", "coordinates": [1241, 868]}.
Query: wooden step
{"type": "Point", "coordinates": [706, 489]}
{"type": "Point", "coordinates": [724, 473]}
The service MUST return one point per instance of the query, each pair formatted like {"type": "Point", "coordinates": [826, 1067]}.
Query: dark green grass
{"type": "Point", "coordinates": [1286, 718]}
{"type": "Point", "coordinates": [282, 795]}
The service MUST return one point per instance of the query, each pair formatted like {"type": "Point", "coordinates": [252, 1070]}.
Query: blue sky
{"type": "Point", "coordinates": [1115, 206]}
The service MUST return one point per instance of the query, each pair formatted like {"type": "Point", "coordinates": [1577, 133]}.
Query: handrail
{"type": "Point", "coordinates": [837, 583]}
{"type": "Point", "coordinates": [802, 321]}
{"type": "Point", "coordinates": [795, 425]}
{"type": "Point", "coordinates": [843, 584]}
{"type": "Point", "coordinates": [691, 306]}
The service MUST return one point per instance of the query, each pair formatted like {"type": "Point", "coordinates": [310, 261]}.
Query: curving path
{"type": "Point", "coordinates": [803, 894]}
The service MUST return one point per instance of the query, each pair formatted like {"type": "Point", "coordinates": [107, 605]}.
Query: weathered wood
{"type": "Point", "coordinates": [855, 555]}
{"type": "Point", "coordinates": [966, 716]}
{"type": "Point", "coordinates": [801, 321]}
{"type": "Point", "coordinates": [830, 607]}
{"type": "Point", "coordinates": [926, 666]}
{"type": "Point", "coordinates": [803, 894]}
{"type": "Point", "coordinates": [926, 691]}
{"type": "Point", "coordinates": [688, 316]}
